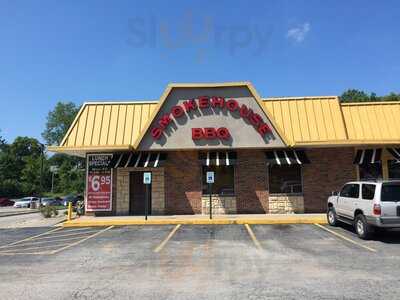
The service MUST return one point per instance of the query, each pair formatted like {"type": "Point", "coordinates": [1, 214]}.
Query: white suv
{"type": "Point", "coordinates": [366, 205]}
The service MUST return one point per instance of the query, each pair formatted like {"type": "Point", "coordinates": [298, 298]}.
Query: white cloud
{"type": "Point", "coordinates": [298, 33]}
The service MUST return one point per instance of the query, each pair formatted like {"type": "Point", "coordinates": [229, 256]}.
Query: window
{"type": "Point", "coordinates": [371, 171]}
{"type": "Point", "coordinates": [350, 191]}
{"type": "Point", "coordinates": [390, 192]}
{"type": "Point", "coordinates": [394, 169]}
{"type": "Point", "coordinates": [368, 191]}
{"type": "Point", "coordinates": [285, 179]}
{"type": "Point", "coordinates": [224, 178]}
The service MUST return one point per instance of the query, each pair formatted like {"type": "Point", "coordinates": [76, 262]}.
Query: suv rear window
{"type": "Point", "coordinates": [368, 191]}
{"type": "Point", "coordinates": [390, 192]}
{"type": "Point", "coordinates": [350, 191]}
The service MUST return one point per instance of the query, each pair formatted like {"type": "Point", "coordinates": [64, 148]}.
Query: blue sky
{"type": "Point", "coordinates": [80, 50]}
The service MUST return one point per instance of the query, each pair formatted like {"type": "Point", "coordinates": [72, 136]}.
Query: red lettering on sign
{"type": "Point", "coordinates": [255, 119]}
{"type": "Point", "coordinates": [232, 104]}
{"type": "Point", "coordinates": [223, 133]}
{"type": "Point", "coordinates": [263, 129]}
{"type": "Point", "coordinates": [244, 111]}
{"type": "Point", "coordinates": [218, 101]}
{"type": "Point", "coordinates": [210, 133]}
{"type": "Point", "coordinates": [197, 134]}
{"type": "Point", "coordinates": [164, 121]}
{"type": "Point", "coordinates": [190, 105]}
{"type": "Point", "coordinates": [204, 102]}
{"type": "Point", "coordinates": [177, 111]}
{"type": "Point", "coordinates": [156, 133]}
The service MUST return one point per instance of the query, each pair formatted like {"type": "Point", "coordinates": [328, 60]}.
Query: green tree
{"type": "Point", "coordinates": [2, 141]}
{"type": "Point", "coordinates": [391, 97]}
{"type": "Point", "coordinates": [70, 177]}
{"type": "Point", "coordinates": [20, 164]}
{"type": "Point", "coordinates": [353, 95]}
{"type": "Point", "coordinates": [58, 122]}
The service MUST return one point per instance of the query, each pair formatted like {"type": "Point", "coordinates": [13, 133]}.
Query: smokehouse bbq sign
{"type": "Point", "coordinates": [210, 133]}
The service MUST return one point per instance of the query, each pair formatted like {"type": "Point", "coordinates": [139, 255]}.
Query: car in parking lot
{"type": "Point", "coordinates": [51, 202]}
{"type": "Point", "coordinates": [366, 205]}
{"type": "Point", "coordinates": [71, 198]}
{"type": "Point", "coordinates": [25, 202]}
{"type": "Point", "coordinates": [6, 202]}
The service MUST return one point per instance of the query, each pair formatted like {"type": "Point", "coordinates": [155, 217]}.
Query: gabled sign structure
{"type": "Point", "coordinates": [202, 116]}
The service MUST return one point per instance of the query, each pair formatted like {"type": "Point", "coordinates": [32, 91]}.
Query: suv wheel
{"type": "Point", "coordinates": [363, 230]}
{"type": "Point", "coordinates": [332, 217]}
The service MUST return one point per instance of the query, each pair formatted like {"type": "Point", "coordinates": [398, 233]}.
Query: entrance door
{"type": "Point", "coordinates": [137, 194]}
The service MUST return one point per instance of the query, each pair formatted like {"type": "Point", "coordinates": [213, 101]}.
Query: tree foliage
{"type": "Point", "coordinates": [20, 164]}
{"type": "Point", "coordinates": [353, 95]}
{"type": "Point", "coordinates": [58, 122]}
{"type": "Point", "coordinates": [21, 160]}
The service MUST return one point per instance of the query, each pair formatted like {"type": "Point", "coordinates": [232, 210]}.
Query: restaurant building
{"type": "Point", "coordinates": [269, 155]}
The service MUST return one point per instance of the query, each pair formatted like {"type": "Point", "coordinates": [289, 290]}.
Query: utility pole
{"type": "Point", "coordinates": [41, 174]}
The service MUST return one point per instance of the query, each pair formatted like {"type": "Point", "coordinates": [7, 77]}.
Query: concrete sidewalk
{"type": "Point", "coordinates": [198, 220]}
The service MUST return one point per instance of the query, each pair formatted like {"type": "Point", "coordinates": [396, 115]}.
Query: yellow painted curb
{"type": "Point", "coordinates": [90, 223]}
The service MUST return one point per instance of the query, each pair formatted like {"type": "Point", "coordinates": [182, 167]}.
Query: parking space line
{"type": "Point", "coordinates": [81, 241]}
{"type": "Point", "coordinates": [77, 229]}
{"type": "Point", "coordinates": [24, 253]}
{"type": "Point", "coordinates": [165, 241]}
{"type": "Point", "coordinates": [32, 243]}
{"type": "Point", "coordinates": [31, 237]}
{"type": "Point", "coordinates": [33, 248]}
{"type": "Point", "coordinates": [253, 237]}
{"type": "Point", "coordinates": [68, 234]}
{"type": "Point", "coordinates": [345, 238]}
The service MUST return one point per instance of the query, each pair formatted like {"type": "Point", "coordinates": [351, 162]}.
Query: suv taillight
{"type": "Point", "coordinates": [377, 209]}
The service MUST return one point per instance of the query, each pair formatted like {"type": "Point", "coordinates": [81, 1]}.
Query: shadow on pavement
{"type": "Point", "coordinates": [388, 236]}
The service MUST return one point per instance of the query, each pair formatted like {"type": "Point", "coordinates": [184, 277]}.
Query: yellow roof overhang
{"type": "Point", "coordinates": [320, 121]}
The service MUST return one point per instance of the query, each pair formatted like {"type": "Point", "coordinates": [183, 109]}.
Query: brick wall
{"type": "Point", "coordinates": [330, 168]}
{"type": "Point", "coordinates": [183, 183]}
{"type": "Point", "coordinates": [122, 194]}
{"type": "Point", "coordinates": [251, 182]}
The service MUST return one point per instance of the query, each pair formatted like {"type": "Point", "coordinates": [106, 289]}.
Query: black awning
{"type": "Point", "coordinates": [138, 160]}
{"type": "Point", "coordinates": [368, 156]}
{"type": "Point", "coordinates": [287, 157]}
{"type": "Point", "coordinates": [220, 158]}
{"type": "Point", "coordinates": [395, 152]}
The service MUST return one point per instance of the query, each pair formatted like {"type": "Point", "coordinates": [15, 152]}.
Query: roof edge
{"type": "Point", "coordinates": [300, 98]}
{"type": "Point", "coordinates": [110, 102]}
{"type": "Point", "coordinates": [369, 103]}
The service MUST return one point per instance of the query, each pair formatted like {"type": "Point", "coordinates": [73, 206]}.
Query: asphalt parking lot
{"type": "Point", "coordinates": [198, 262]}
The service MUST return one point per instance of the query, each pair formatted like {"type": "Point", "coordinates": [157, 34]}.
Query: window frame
{"type": "Point", "coordinates": [219, 195]}
{"type": "Point", "coordinates": [388, 162]}
{"type": "Point", "coordinates": [362, 191]}
{"type": "Point", "coordinates": [286, 194]}
{"type": "Point", "coordinates": [350, 184]}
{"type": "Point", "coordinates": [359, 167]}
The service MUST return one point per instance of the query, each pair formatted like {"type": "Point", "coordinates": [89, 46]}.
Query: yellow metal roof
{"type": "Point", "coordinates": [308, 120]}
{"type": "Point", "coordinates": [373, 122]}
{"type": "Point", "coordinates": [301, 122]}
{"type": "Point", "coordinates": [108, 124]}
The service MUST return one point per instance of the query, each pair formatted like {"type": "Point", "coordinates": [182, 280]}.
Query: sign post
{"type": "Point", "coordinates": [147, 182]}
{"type": "Point", "coordinates": [53, 170]}
{"type": "Point", "coordinates": [210, 181]}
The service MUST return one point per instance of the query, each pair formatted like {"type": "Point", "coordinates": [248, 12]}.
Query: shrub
{"type": "Point", "coordinates": [49, 211]}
